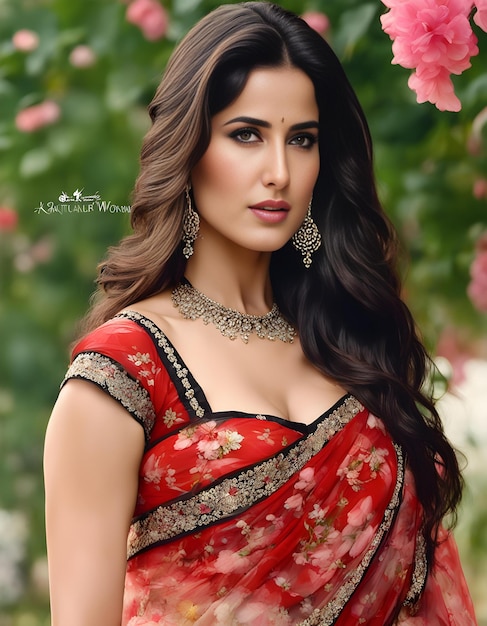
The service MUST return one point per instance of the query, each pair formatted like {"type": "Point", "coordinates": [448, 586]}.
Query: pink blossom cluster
{"type": "Point", "coordinates": [150, 16]}
{"type": "Point", "coordinates": [211, 441]}
{"type": "Point", "coordinates": [28, 256]}
{"type": "Point", "coordinates": [25, 40]}
{"type": "Point", "coordinates": [33, 118]}
{"type": "Point", "coordinates": [480, 16]}
{"type": "Point", "coordinates": [82, 56]}
{"type": "Point", "coordinates": [435, 38]}
{"type": "Point", "coordinates": [318, 21]}
{"type": "Point", "coordinates": [477, 289]}
{"type": "Point", "coordinates": [480, 188]}
{"type": "Point", "coordinates": [8, 219]}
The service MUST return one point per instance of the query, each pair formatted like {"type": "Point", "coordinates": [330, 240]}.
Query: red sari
{"type": "Point", "coordinates": [252, 520]}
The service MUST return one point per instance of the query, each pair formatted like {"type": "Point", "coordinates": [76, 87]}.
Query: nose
{"type": "Point", "coordinates": [276, 167]}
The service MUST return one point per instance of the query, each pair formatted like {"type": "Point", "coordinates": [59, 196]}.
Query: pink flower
{"type": "Point", "coordinates": [208, 429]}
{"type": "Point", "coordinates": [362, 606]}
{"type": "Point", "coordinates": [480, 188]}
{"type": "Point", "coordinates": [375, 422]}
{"type": "Point", "coordinates": [8, 219]}
{"type": "Point", "coordinates": [193, 434]}
{"type": "Point", "coordinates": [35, 117]}
{"type": "Point", "coordinates": [350, 469]}
{"type": "Point", "coordinates": [208, 448]}
{"type": "Point", "coordinates": [362, 541]}
{"type": "Point", "coordinates": [480, 16]}
{"type": "Point", "coordinates": [376, 459]}
{"type": "Point", "coordinates": [430, 32]}
{"type": "Point", "coordinates": [318, 21]}
{"type": "Point", "coordinates": [42, 251]}
{"type": "Point", "coordinates": [186, 438]}
{"type": "Point", "coordinates": [360, 513]}
{"type": "Point", "coordinates": [324, 559]}
{"type": "Point", "coordinates": [306, 479]}
{"type": "Point", "coordinates": [435, 87]}
{"type": "Point", "coordinates": [82, 56]}
{"type": "Point", "coordinates": [152, 472]}
{"type": "Point", "coordinates": [229, 561]}
{"type": "Point", "coordinates": [25, 40]}
{"type": "Point", "coordinates": [294, 502]}
{"type": "Point", "coordinates": [318, 512]}
{"type": "Point", "coordinates": [477, 289]}
{"type": "Point", "coordinates": [435, 38]}
{"type": "Point", "coordinates": [150, 17]}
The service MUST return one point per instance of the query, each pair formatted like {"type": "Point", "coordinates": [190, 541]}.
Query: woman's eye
{"type": "Point", "coordinates": [304, 141]}
{"type": "Point", "coordinates": [245, 135]}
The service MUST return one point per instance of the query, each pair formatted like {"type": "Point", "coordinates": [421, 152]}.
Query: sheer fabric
{"type": "Point", "coordinates": [252, 520]}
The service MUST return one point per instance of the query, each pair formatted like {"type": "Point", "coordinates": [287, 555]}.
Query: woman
{"type": "Point", "coordinates": [297, 474]}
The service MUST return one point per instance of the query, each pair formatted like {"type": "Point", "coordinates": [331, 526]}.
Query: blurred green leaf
{"type": "Point", "coordinates": [35, 162]}
{"type": "Point", "coordinates": [352, 26]}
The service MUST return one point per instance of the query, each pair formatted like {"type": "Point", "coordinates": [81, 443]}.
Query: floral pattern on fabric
{"type": "Point", "coordinates": [301, 550]}
{"type": "Point", "coordinates": [247, 520]}
{"type": "Point", "coordinates": [109, 376]}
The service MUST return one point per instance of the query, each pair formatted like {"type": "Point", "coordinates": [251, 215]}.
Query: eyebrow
{"type": "Point", "coordinates": [256, 122]}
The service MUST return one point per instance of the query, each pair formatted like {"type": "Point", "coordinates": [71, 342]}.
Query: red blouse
{"type": "Point", "coordinates": [252, 520]}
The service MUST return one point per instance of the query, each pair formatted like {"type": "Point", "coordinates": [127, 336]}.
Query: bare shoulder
{"type": "Point", "coordinates": [159, 309]}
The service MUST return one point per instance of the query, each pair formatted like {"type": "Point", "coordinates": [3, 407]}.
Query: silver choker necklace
{"type": "Point", "coordinates": [193, 304]}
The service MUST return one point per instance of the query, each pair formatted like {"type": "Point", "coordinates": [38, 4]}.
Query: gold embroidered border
{"type": "Point", "coordinates": [239, 492]}
{"type": "Point", "coordinates": [111, 377]}
{"type": "Point", "coordinates": [327, 615]}
{"type": "Point", "coordinates": [420, 571]}
{"type": "Point", "coordinates": [181, 372]}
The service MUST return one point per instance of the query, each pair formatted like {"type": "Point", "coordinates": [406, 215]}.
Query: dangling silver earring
{"type": "Point", "coordinates": [307, 238]}
{"type": "Point", "coordinates": [191, 224]}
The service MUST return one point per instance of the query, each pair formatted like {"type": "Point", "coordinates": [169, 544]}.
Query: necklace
{"type": "Point", "coordinates": [193, 304]}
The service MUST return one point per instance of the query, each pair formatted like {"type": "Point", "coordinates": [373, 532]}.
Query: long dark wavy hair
{"type": "Point", "coordinates": [347, 307]}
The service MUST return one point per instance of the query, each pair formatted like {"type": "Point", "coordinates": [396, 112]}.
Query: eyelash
{"type": "Point", "coordinates": [310, 138]}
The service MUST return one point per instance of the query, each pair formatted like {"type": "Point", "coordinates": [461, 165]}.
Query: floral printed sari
{"type": "Point", "coordinates": [252, 520]}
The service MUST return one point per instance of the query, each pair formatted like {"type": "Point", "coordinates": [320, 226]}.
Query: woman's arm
{"type": "Point", "coordinates": [92, 455]}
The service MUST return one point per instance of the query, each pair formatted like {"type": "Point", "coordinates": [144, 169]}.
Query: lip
{"type": "Point", "coordinates": [270, 216]}
{"type": "Point", "coordinates": [272, 205]}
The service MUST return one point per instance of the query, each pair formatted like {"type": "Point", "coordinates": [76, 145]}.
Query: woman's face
{"type": "Point", "coordinates": [253, 185]}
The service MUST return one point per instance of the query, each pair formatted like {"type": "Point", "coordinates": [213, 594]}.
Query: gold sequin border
{"type": "Point", "coordinates": [239, 492]}
{"type": "Point", "coordinates": [328, 614]}
{"type": "Point", "coordinates": [116, 381]}
{"type": "Point", "coordinates": [162, 341]}
{"type": "Point", "coordinates": [420, 573]}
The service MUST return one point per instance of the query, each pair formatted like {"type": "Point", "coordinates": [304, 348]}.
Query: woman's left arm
{"type": "Point", "coordinates": [92, 455]}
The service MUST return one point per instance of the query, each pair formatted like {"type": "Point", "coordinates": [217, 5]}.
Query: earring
{"type": "Point", "coordinates": [307, 238]}
{"type": "Point", "coordinates": [191, 224]}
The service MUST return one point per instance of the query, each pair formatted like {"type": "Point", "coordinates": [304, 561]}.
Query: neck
{"type": "Point", "coordinates": [238, 281]}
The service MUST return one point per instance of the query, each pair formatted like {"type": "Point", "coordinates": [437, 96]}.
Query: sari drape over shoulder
{"type": "Point", "coordinates": [252, 520]}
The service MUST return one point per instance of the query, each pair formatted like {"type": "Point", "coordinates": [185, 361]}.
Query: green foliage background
{"type": "Point", "coordinates": [47, 265]}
